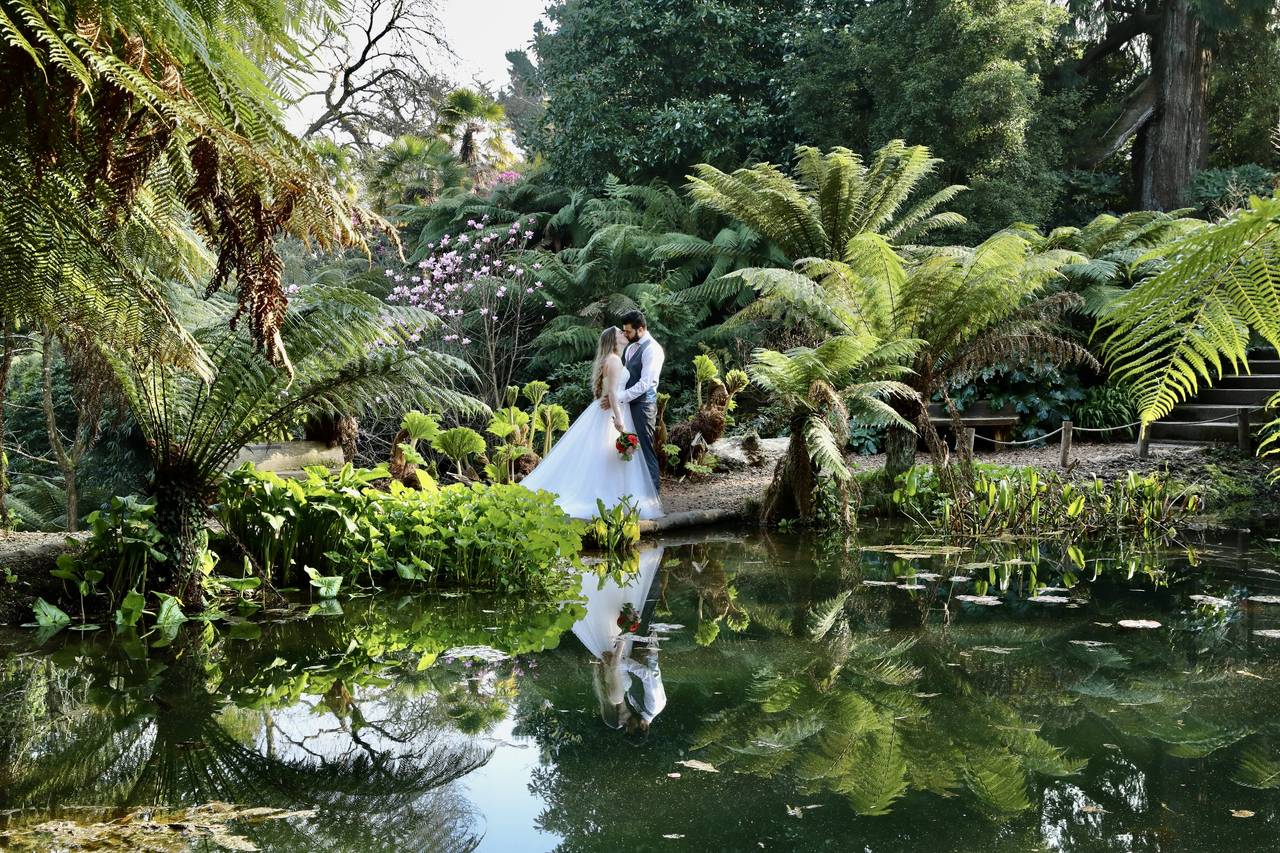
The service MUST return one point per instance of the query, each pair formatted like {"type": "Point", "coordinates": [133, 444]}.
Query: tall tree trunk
{"type": "Point", "coordinates": [1173, 145]}
{"type": "Point", "coordinates": [66, 460]}
{"type": "Point", "coordinates": [6, 362]}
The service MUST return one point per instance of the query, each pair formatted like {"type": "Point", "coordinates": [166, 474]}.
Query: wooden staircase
{"type": "Point", "coordinates": [1213, 415]}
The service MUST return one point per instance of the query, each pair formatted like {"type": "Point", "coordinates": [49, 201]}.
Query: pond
{"type": "Point", "coordinates": [779, 693]}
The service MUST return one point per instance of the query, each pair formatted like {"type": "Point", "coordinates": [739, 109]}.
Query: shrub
{"type": "Point", "coordinates": [337, 524]}
{"type": "Point", "coordinates": [500, 537]}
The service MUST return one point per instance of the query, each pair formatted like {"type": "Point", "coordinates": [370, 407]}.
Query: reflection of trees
{"type": "Point", "coordinates": [154, 731]}
{"type": "Point", "coordinates": [856, 717]}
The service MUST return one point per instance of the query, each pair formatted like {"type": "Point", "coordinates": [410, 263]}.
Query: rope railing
{"type": "Point", "coordinates": [1240, 415]}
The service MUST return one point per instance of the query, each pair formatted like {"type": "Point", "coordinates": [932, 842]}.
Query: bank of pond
{"type": "Point", "coordinates": [745, 690]}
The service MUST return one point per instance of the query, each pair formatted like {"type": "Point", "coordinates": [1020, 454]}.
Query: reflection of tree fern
{"type": "Point", "coordinates": [997, 781]}
{"type": "Point", "coordinates": [1258, 768]}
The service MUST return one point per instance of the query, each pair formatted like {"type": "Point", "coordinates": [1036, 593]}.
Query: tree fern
{"type": "Point", "coordinates": [1191, 323]}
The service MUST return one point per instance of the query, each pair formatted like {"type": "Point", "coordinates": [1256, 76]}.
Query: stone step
{"type": "Point", "coordinates": [1256, 380]}
{"type": "Point", "coordinates": [1198, 411]}
{"type": "Point", "coordinates": [1224, 432]}
{"type": "Point", "coordinates": [1249, 397]}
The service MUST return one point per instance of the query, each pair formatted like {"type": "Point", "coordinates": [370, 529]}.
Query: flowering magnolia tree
{"type": "Point", "coordinates": [482, 285]}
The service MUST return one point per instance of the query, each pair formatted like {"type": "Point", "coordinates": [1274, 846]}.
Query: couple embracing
{"type": "Point", "coordinates": [585, 465]}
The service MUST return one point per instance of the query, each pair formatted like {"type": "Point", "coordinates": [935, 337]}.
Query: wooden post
{"type": "Point", "coordinates": [1144, 441]}
{"type": "Point", "coordinates": [1065, 455]}
{"type": "Point", "coordinates": [1243, 436]}
{"type": "Point", "coordinates": [966, 440]}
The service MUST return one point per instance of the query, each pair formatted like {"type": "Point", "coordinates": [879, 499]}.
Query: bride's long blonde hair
{"type": "Point", "coordinates": [607, 346]}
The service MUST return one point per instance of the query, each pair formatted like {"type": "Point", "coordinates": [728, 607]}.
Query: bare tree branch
{"type": "Point", "coordinates": [379, 70]}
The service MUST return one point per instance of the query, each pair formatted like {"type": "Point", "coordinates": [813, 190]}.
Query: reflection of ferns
{"type": "Point", "coordinates": [851, 720]}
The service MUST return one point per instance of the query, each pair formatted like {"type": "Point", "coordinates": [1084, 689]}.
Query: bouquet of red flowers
{"type": "Point", "coordinates": [629, 619]}
{"type": "Point", "coordinates": [627, 444]}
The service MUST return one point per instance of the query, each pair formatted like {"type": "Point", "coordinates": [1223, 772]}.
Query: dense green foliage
{"type": "Point", "coordinates": [342, 523]}
{"type": "Point", "coordinates": [1041, 503]}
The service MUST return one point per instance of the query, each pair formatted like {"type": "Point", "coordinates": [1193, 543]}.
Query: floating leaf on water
{"type": "Point", "coordinates": [969, 567]}
{"type": "Point", "coordinates": [1269, 633]}
{"type": "Point", "coordinates": [1265, 599]}
{"type": "Point", "coordinates": [1211, 601]}
{"type": "Point", "coordinates": [918, 549]}
{"type": "Point", "coordinates": [910, 555]}
{"type": "Point", "coordinates": [695, 764]}
{"type": "Point", "coordinates": [995, 650]}
{"type": "Point", "coordinates": [984, 600]}
{"type": "Point", "coordinates": [488, 654]}
{"type": "Point", "coordinates": [926, 576]}
{"type": "Point", "coordinates": [1138, 623]}
{"type": "Point", "coordinates": [1016, 561]}
{"type": "Point", "coordinates": [1049, 599]}
{"type": "Point", "coordinates": [879, 583]}
{"type": "Point", "coordinates": [914, 587]}
{"type": "Point", "coordinates": [1052, 590]}
{"type": "Point", "coordinates": [1089, 644]}
{"type": "Point", "coordinates": [959, 579]}
{"type": "Point", "coordinates": [665, 627]}
{"type": "Point", "coordinates": [1241, 813]}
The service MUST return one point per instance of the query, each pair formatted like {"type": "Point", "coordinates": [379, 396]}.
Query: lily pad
{"type": "Point", "coordinates": [1140, 624]}
{"type": "Point", "coordinates": [1265, 599]}
{"type": "Point", "coordinates": [695, 764]}
{"type": "Point", "coordinates": [1049, 599]}
{"type": "Point", "coordinates": [985, 600]}
{"type": "Point", "coordinates": [879, 583]}
{"type": "Point", "coordinates": [1211, 601]}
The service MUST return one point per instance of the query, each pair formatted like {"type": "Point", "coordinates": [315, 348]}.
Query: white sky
{"type": "Point", "coordinates": [481, 31]}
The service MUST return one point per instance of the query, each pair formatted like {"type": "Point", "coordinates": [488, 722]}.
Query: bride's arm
{"type": "Point", "coordinates": [614, 372]}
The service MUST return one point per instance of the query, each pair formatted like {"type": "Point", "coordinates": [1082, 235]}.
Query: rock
{"type": "Point", "coordinates": [288, 457]}
{"type": "Point", "coordinates": [739, 452]}
{"type": "Point", "coordinates": [30, 557]}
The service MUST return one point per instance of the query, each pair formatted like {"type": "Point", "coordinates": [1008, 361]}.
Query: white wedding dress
{"type": "Point", "coordinates": [585, 466]}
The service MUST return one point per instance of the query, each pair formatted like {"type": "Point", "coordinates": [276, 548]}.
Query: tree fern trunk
{"type": "Point", "coordinates": [1174, 144]}
{"type": "Point", "coordinates": [180, 517]}
{"type": "Point", "coordinates": [790, 494]}
{"type": "Point", "coordinates": [900, 451]}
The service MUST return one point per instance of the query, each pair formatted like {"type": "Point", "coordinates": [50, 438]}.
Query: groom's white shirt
{"type": "Point", "coordinates": [650, 368]}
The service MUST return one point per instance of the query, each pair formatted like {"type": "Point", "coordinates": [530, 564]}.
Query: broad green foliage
{"type": "Point", "coordinates": [964, 77]}
{"type": "Point", "coordinates": [642, 89]}
{"type": "Point", "coordinates": [340, 524]}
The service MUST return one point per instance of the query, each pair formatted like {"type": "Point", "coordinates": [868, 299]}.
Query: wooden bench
{"type": "Point", "coordinates": [979, 416]}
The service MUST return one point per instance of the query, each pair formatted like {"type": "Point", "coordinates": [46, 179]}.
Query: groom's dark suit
{"type": "Point", "coordinates": [644, 410]}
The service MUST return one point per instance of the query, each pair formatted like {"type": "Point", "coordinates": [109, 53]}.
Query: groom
{"type": "Point", "coordinates": [643, 358]}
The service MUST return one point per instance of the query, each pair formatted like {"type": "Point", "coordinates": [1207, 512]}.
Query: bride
{"type": "Point", "coordinates": [584, 465]}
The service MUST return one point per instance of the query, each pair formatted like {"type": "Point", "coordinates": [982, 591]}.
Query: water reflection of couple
{"type": "Point", "coordinates": [626, 678]}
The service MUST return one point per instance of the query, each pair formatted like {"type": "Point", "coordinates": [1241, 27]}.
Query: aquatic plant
{"type": "Point", "coordinates": [1030, 501]}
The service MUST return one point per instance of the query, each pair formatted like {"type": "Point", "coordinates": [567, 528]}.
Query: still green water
{"type": "Point", "coordinates": [826, 695]}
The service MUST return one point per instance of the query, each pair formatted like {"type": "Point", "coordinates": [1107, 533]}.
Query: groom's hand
{"type": "Point", "coordinates": [604, 402]}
